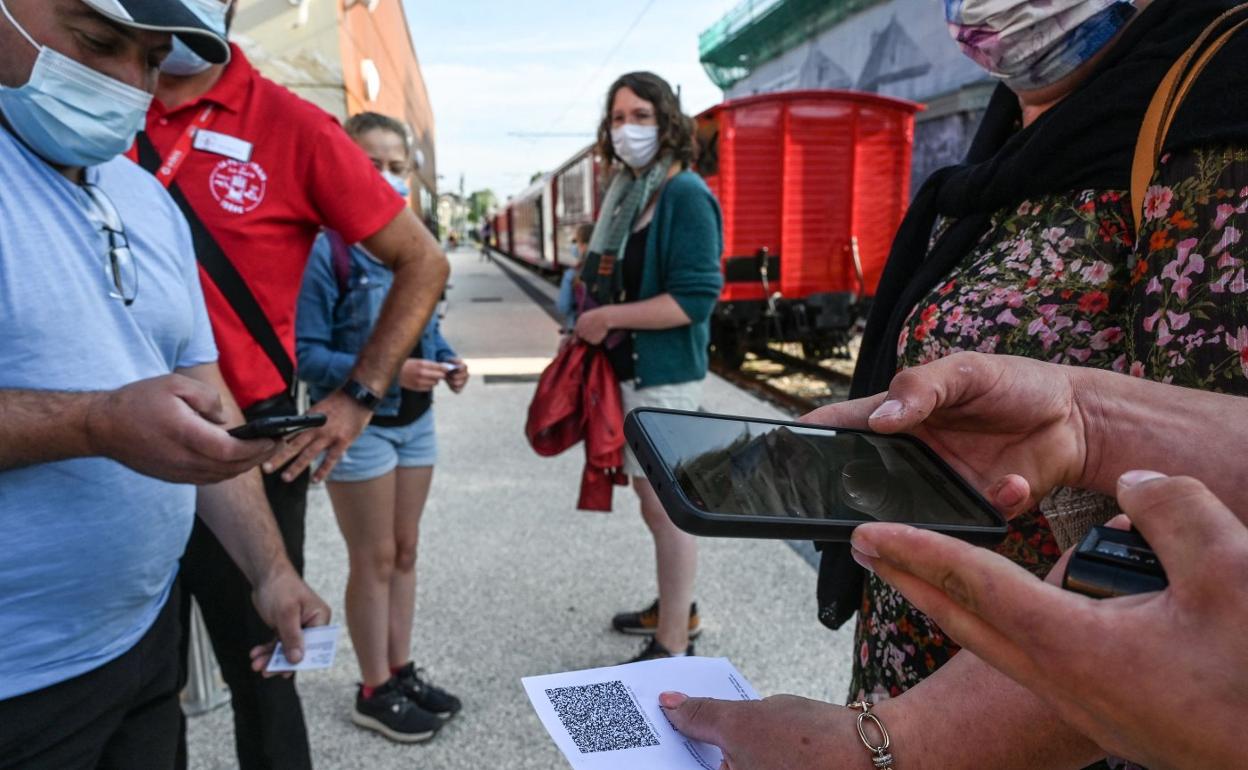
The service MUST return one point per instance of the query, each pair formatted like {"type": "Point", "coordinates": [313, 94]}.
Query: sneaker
{"type": "Point", "coordinates": [654, 651]}
{"type": "Point", "coordinates": [646, 622]}
{"type": "Point", "coordinates": [423, 693]}
{"type": "Point", "coordinates": [390, 713]}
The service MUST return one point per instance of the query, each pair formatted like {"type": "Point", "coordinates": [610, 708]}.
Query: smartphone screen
{"type": "Point", "coordinates": [736, 467]}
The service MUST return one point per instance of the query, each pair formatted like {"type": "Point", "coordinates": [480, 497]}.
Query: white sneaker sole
{"type": "Point", "coordinates": [369, 723]}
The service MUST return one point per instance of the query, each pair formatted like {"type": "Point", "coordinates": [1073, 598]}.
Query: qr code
{"type": "Point", "coordinates": [601, 717]}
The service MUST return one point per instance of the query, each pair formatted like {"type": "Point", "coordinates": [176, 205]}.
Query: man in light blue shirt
{"type": "Point", "coordinates": [111, 404]}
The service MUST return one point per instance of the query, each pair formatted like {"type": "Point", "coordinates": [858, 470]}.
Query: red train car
{"type": "Point", "coordinates": [538, 223]}
{"type": "Point", "coordinates": [530, 222]}
{"type": "Point", "coordinates": [813, 185]}
{"type": "Point", "coordinates": [576, 188]}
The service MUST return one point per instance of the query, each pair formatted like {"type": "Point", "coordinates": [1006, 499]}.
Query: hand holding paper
{"type": "Point", "coordinates": [319, 645]}
{"type": "Point", "coordinates": [610, 718]}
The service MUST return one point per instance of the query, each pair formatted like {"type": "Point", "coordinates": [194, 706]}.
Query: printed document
{"type": "Point", "coordinates": [610, 719]}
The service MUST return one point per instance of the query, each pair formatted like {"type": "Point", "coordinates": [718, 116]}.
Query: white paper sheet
{"type": "Point", "coordinates": [319, 646]}
{"type": "Point", "coordinates": [609, 718]}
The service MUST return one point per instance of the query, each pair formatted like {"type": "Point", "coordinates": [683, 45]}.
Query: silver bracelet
{"type": "Point", "coordinates": [880, 756]}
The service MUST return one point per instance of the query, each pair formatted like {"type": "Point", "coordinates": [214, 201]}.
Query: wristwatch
{"type": "Point", "coordinates": [361, 394]}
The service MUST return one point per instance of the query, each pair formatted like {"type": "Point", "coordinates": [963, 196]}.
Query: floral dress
{"type": "Point", "coordinates": [1062, 279]}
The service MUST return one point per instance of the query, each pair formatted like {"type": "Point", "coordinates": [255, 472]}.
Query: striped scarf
{"type": "Point", "coordinates": [626, 199]}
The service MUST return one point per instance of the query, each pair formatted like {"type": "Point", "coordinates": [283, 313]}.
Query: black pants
{"type": "Point", "coordinates": [269, 730]}
{"type": "Point", "coordinates": [122, 715]}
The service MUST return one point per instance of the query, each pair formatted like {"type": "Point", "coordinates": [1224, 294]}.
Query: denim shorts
{"type": "Point", "coordinates": [682, 395]}
{"type": "Point", "coordinates": [380, 450]}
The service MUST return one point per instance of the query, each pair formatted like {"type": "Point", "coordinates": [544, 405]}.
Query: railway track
{"type": "Point", "coordinates": [768, 391]}
{"type": "Point", "coordinates": [790, 382]}
{"type": "Point", "coordinates": [813, 368]}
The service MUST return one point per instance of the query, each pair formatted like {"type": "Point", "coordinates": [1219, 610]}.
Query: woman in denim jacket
{"type": "Point", "coordinates": [379, 487]}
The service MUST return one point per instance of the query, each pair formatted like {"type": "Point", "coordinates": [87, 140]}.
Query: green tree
{"type": "Point", "coordinates": [480, 203]}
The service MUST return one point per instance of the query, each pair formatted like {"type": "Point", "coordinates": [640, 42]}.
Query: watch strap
{"type": "Point", "coordinates": [361, 394]}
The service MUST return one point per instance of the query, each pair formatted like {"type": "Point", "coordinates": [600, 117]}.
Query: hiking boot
{"type": "Point", "coordinates": [390, 713]}
{"type": "Point", "coordinates": [646, 622]}
{"type": "Point", "coordinates": [412, 683]}
{"type": "Point", "coordinates": [655, 651]}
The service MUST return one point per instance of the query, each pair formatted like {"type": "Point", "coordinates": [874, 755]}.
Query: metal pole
{"type": "Point", "coordinates": [205, 689]}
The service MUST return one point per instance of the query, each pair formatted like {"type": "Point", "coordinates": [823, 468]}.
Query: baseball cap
{"type": "Point", "coordinates": [167, 16]}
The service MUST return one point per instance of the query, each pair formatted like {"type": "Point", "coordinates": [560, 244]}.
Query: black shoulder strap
{"type": "Point", "coordinates": [223, 273]}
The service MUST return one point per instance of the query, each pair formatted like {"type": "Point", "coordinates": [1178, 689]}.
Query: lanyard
{"type": "Point", "coordinates": [169, 169]}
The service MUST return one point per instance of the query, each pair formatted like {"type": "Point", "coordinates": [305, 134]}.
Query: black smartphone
{"type": "Point", "coordinates": [727, 476]}
{"type": "Point", "coordinates": [1114, 562]}
{"type": "Point", "coordinates": [278, 427]}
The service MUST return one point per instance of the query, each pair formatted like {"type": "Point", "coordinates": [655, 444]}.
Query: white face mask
{"type": "Point", "coordinates": [70, 114]}
{"type": "Point", "coordinates": [636, 145]}
{"type": "Point", "coordinates": [182, 61]}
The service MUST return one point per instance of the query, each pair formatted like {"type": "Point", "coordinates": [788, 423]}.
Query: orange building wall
{"type": "Point", "coordinates": [382, 35]}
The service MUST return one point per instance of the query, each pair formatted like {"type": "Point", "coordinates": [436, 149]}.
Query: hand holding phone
{"type": "Point", "coordinates": [728, 476]}
{"type": "Point", "coordinates": [1114, 562]}
{"type": "Point", "coordinates": [279, 427]}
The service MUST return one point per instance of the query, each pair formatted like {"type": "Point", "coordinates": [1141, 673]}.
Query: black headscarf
{"type": "Point", "coordinates": [1086, 142]}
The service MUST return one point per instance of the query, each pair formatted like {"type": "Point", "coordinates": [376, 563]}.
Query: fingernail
{"type": "Point", "coordinates": [890, 408]}
{"type": "Point", "coordinates": [294, 655]}
{"type": "Point", "coordinates": [864, 561]}
{"type": "Point", "coordinates": [861, 541]}
{"type": "Point", "coordinates": [1009, 502]}
{"type": "Point", "coordinates": [267, 467]}
{"type": "Point", "coordinates": [672, 700]}
{"type": "Point", "coordinates": [1121, 521]}
{"type": "Point", "coordinates": [1135, 478]}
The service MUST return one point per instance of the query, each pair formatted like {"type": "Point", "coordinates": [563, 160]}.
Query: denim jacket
{"type": "Point", "coordinates": [331, 330]}
{"type": "Point", "coordinates": [565, 303]}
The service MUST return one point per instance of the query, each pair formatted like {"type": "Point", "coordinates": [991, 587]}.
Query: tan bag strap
{"type": "Point", "coordinates": [1173, 89]}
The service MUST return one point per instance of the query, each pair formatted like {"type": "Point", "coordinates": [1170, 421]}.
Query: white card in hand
{"type": "Point", "coordinates": [609, 718]}
{"type": "Point", "coordinates": [319, 645]}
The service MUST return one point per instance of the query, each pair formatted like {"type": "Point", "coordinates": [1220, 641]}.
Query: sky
{"type": "Point", "coordinates": [496, 68]}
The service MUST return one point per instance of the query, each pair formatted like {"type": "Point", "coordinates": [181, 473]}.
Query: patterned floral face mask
{"type": "Point", "coordinates": [1031, 45]}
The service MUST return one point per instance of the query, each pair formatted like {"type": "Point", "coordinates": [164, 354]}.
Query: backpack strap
{"type": "Point", "coordinates": [1173, 89]}
{"type": "Point", "coordinates": [340, 255]}
{"type": "Point", "coordinates": [224, 274]}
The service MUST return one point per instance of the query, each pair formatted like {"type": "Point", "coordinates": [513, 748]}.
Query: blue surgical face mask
{"type": "Point", "coordinates": [576, 252]}
{"type": "Point", "coordinates": [182, 61]}
{"type": "Point", "coordinates": [70, 114]}
{"type": "Point", "coordinates": [398, 183]}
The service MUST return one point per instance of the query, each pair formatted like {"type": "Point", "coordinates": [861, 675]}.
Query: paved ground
{"type": "Point", "coordinates": [514, 581]}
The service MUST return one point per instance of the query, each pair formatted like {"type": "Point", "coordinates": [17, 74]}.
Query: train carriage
{"type": "Point", "coordinates": [537, 225]}
{"type": "Point", "coordinates": [577, 190]}
{"type": "Point", "coordinates": [532, 222]}
{"type": "Point", "coordinates": [813, 185]}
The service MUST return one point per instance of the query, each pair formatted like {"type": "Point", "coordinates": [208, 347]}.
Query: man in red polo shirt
{"type": "Point", "coordinates": [258, 172]}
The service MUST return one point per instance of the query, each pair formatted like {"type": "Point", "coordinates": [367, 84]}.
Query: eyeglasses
{"type": "Point", "coordinates": [121, 271]}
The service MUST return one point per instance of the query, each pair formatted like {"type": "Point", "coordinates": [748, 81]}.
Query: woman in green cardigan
{"type": "Point", "coordinates": [653, 273]}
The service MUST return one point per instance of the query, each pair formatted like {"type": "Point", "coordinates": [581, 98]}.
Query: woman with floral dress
{"type": "Point", "coordinates": [1059, 274]}
{"type": "Point", "coordinates": [1030, 248]}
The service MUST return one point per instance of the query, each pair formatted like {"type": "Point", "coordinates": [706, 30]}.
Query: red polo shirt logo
{"type": "Point", "coordinates": [238, 187]}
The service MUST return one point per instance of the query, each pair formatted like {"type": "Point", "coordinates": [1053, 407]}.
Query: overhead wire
{"type": "Point", "coordinates": [605, 61]}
